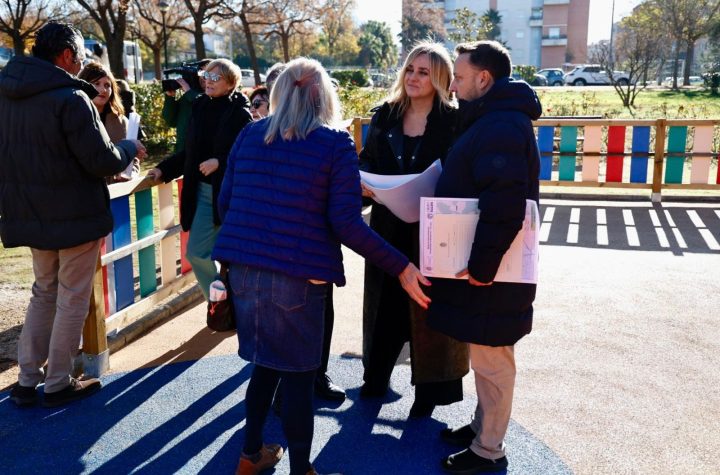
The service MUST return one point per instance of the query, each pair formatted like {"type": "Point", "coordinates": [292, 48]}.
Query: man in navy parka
{"type": "Point", "coordinates": [494, 159]}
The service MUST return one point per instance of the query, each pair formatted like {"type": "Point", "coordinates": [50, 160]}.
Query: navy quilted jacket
{"type": "Point", "coordinates": [288, 206]}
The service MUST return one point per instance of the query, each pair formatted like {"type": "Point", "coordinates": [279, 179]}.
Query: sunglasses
{"type": "Point", "coordinates": [214, 77]}
{"type": "Point", "coordinates": [257, 103]}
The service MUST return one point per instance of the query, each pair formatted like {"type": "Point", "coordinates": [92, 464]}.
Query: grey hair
{"type": "Point", "coordinates": [302, 100]}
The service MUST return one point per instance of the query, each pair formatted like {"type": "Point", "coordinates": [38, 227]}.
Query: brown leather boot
{"type": "Point", "coordinates": [268, 457]}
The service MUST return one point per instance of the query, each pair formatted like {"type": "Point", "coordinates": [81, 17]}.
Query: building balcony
{"type": "Point", "coordinates": [557, 2]}
{"type": "Point", "coordinates": [554, 41]}
{"type": "Point", "coordinates": [535, 22]}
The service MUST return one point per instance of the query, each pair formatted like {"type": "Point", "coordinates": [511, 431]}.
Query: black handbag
{"type": "Point", "coordinates": [221, 314]}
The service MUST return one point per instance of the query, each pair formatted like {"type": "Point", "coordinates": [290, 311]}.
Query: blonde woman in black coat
{"type": "Point", "coordinates": [407, 134]}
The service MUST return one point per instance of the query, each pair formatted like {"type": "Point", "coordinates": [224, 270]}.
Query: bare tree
{"type": "Point", "coordinates": [20, 19]}
{"type": "Point", "coordinates": [249, 14]}
{"type": "Point", "coordinates": [285, 18]}
{"type": "Point", "coordinates": [149, 27]}
{"type": "Point", "coordinates": [419, 22]}
{"type": "Point", "coordinates": [201, 12]}
{"type": "Point", "coordinates": [111, 17]}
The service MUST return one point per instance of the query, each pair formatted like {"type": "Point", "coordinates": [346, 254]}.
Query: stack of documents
{"type": "Point", "coordinates": [401, 193]}
{"type": "Point", "coordinates": [447, 231]}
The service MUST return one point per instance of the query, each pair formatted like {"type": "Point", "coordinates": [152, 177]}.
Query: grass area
{"type": "Point", "coordinates": [16, 267]}
{"type": "Point", "coordinates": [649, 104]}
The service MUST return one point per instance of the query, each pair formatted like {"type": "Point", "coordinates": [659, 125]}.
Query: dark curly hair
{"type": "Point", "coordinates": [54, 38]}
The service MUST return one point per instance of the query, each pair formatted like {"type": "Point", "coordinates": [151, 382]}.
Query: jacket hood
{"type": "Point", "coordinates": [505, 95]}
{"type": "Point", "coordinates": [25, 76]}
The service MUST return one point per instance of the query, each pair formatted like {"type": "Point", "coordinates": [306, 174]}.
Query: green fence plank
{"type": "Point", "coordinates": [677, 138]}
{"type": "Point", "coordinates": [145, 227]}
{"type": "Point", "coordinates": [568, 144]}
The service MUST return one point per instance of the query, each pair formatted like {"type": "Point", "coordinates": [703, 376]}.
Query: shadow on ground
{"type": "Point", "coordinates": [189, 418]}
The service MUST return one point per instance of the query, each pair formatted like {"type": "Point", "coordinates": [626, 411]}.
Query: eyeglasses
{"type": "Point", "coordinates": [214, 77]}
{"type": "Point", "coordinates": [257, 103]}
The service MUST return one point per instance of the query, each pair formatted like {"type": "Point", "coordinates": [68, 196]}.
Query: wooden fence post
{"type": "Point", "coordinates": [96, 356]}
{"type": "Point", "coordinates": [656, 194]}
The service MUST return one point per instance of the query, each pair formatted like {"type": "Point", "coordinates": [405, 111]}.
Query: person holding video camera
{"type": "Point", "coordinates": [217, 118]}
{"type": "Point", "coordinates": [176, 110]}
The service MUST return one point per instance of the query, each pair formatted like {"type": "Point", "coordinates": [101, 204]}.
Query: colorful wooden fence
{"type": "Point", "coordinates": [645, 154]}
{"type": "Point", "coordinates": [130, 280]}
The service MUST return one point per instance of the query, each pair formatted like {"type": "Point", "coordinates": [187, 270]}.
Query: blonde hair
{"type": "Point", "coordinates": [228, 70]}
{"type": "Point", "coordinates": [302, 99]}
{"type": "Point", "coordinates": [441, 70]}
{"type": "Point", "coordinates": [94, 71]}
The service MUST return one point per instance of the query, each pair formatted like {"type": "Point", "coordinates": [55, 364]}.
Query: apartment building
{"type": "Point", "coordinates": [542, 33]}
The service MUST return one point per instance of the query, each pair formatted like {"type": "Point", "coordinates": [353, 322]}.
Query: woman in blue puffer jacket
{"type": "Point", "coordinates": [291, 195]}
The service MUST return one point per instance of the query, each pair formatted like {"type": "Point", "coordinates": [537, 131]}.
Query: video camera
{"type": "Point", "coordinates": [188, 71]}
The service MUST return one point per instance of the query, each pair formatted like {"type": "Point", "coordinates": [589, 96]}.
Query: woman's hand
{"type": "Point", "coordinates": [155, 174]}
{"type": "Point", "coordinates": [410, 279]}
{"type": "Point", "coordinates": [209, 166]}
{"type": "Point", "coordinates": [366, 192]}
{"type": "Point", "coordinates": [471, 281]}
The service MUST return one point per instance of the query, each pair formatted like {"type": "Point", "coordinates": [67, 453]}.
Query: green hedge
{"type": "Point", "coordinates": [160, 139]}
{"type": "Point", "coordinates": [352, 77]}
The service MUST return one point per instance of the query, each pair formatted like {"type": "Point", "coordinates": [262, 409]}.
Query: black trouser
{"type": "Point", "coordinates": [297, 412]}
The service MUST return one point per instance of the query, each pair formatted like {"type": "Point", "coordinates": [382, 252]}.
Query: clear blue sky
{"type": "Point", "coordinates": [390, 12]}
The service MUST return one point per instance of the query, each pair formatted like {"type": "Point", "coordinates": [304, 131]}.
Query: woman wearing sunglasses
{"type": "Point", "coordinates": [217, 118]}
{"type": "Point", "coordinates": [259, 102]}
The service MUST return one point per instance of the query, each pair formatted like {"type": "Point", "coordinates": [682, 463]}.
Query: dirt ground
{"type": "Point", "coordinates": [13, 304]}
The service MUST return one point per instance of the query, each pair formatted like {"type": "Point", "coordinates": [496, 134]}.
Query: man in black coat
{"type": "Point", "coordinates": [54, 157]}
{"type": "Point", "coordinates": [495, 160]}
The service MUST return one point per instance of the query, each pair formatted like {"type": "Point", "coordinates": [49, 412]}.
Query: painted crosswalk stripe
{"type": "Point", "coordinates": [654, 218]}
{"type": "Point", "coordinates": [632, 236]}
{"type": "Point", "coordinates": [572, 235]}
{"type": "Point", "coordinates": [601, 216]}
{"type": "Point", "coordinates": [678, 237]}
{"type": "Point", "coordinates": [628, 217]}
{"type": "Point", "coordinates": [602, 235]}
{"type": "Point", "coordinates": [662, 237]}
{"type": "Point", "coordinates": [709, 239]}
{"type": "Point", "coordinates": [575, 215]}
{"type": "Point", "coordinates": [717, 212]}
{"type": "Point", "coordinates": [695, 218]}
{"type": "Point", "coordinates": [549, 214]}
{"type": "Point", "coordinates": [546, 224]}
{"type": "Point", "coordinates": [669, 218]}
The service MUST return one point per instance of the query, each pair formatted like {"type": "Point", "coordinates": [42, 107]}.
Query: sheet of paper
{"type": "Point", "coordinates": [447, 231]}
{"type": "Point", "coordinates": [401, 193]}
{"type": "Point", "coordinates": [132, 134]}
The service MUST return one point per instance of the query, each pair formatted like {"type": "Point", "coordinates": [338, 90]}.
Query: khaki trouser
{"type": "Point", "coordinates": [494, 369]}
{"type": "Point", "coordinates": [55, 317]}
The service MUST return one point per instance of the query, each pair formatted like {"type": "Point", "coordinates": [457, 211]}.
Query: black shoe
{"type": "Point", "coordinates": [468, 463]}
{"type": "Point", "coordinates": [370, 391]}
{"type": "Point", "coordinates": [72, 392]}
{"type": "Point", "coordinates": [24, 396]}
{"type": "Point", "coordinates": [420, 410]}
{"type": "Point", "coordinates": [326, 389]}
{"type": "Point", "coordinates": [462, 436]}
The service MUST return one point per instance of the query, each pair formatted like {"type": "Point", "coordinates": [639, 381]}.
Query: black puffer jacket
{"type": "Point", "coordinates": [54, 155]}
{"type": "Point", "coordinates": [235, 116]}
{"type": "Point", "coordinates": [496, 160]}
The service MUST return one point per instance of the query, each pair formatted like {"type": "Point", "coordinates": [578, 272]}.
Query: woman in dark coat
{"type": "Point", "coordinates": [217, 118]}
{"type": "Point", "coordinates": [407, 134]}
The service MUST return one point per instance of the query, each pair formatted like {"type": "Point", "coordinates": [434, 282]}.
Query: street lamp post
{"type": "Point", "coordinates": [163, 6]}
{"type": "Point", "coordinates": [612, 31]}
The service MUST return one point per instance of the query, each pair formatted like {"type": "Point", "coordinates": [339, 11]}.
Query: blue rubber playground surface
{"type": "Point", "coordinates": [189, 418]}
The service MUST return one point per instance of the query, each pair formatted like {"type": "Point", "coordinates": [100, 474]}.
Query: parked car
{"type": "Point", "coordinates": [537, 80]}
{"type": "Point", "coordinates": [591, 74]}
{"type": "Point", "coordinates": [554, 76]}
{"type": "Point", "coordinates": [248, 78]}
{"type": "Point", "coordinates": [694, 81]}
{"type": "Point", "coordinates": [5, 55]}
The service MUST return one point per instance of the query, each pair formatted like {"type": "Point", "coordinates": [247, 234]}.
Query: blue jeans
{"type": "Point", "coordinates": [279, 318]}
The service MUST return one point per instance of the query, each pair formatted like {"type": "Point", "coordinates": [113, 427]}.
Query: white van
{"type": "Point", "coordinates": [132, 62]}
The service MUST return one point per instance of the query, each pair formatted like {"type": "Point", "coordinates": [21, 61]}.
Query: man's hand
{"type": "Point", "coordinates": [410, 279]}
{"type": "Point", "coordinates": [170, 93]}
{"type": "Point", "coordinates": [472, 281]}
{"type": "Point", "coordinates": [183, 84]}
{"type": "Point", "coordinates": [141, 150]}
{"type": "Point", "coordinates": [155, 174]}
{"type": "Point", "coordinates": [209, 166]}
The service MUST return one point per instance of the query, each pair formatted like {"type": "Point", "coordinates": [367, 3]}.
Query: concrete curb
{"type": "Point", "coordinates": [161, 314]}
{"type": "Point", "coordinates": [619, 197]}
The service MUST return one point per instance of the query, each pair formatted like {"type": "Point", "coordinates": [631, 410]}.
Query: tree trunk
{"type": "Point", "coordinates": [116, 51]}
{"type": "Point", "coordinates": [676, 65]}
{"type": "Point", "coordinates": [157, 62]}
{"type": "Point", "coordinates": [250, 47]}
{"type": "Point", "coordinates": [286, 47]}
{"type": "Point", "coordinates": [689, 56]}
{"type": "Point", "coordinates": [199, 41]}
{"type": "Point", "coordinates": [18, 44]}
